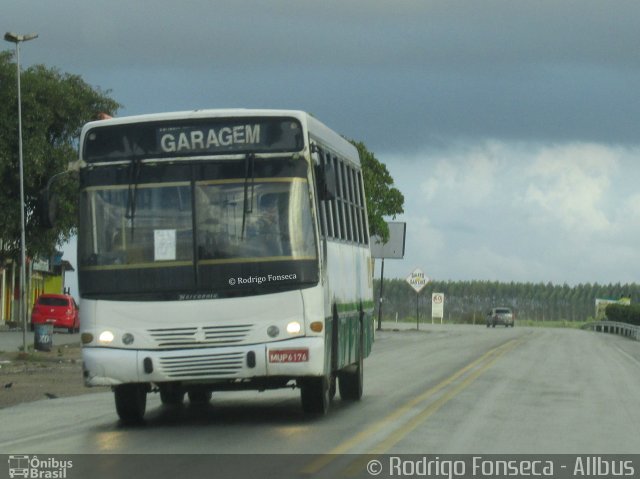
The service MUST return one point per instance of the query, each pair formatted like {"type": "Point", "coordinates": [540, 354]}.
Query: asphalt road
{"type": "Point", "coordinates": [443, 389]}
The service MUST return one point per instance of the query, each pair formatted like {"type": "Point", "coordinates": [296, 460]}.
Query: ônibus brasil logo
{"type": "Point", "coordinates": [34, 467]}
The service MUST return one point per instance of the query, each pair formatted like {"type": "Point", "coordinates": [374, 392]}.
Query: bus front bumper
{"type": "Point", "coordinates": [292, 358]}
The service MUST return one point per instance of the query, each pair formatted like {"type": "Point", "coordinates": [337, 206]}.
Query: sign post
{"type": "Point", "coordinates": [417, 280]}
{"type": "Point", "coordinates": [437, 306]}
{"type": "Point", "coordinates": [393, 249]}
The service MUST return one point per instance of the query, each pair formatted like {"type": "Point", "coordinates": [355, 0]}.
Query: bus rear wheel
{"type": "Point", "coordinates": [131, 402]}
{"type": "Point", "coordinates": [315, 394]}
{"type": "Point", "coordinates": [351, 380]}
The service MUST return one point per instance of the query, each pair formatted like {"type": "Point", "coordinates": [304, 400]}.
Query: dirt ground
{"type": "Point", "coordinates": [41, 375]}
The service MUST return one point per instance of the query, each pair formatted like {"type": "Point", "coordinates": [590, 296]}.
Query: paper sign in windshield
{"type": "Point", "coordinates": [164, 245]}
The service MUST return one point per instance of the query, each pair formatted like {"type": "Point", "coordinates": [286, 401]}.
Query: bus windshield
{"type": "Point", "coordinates": [213, 236]}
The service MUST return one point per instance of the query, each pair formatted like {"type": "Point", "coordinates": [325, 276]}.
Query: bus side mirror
{"type": "Point", "coordinates": [48, 202]}
{"type": "Point", "coordinates": [48, 208]}
{"type": "Point", "coordinates": [326, 179]}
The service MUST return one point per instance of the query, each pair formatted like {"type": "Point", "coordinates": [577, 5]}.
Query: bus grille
{"type": "Point", "coordinates": [205, 336]}
{"type": "Point", "coordinates": [206, 365]}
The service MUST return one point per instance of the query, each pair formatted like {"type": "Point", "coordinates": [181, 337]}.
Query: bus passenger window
{"type": "Point", "coordinates": [212, 240]}
{"type": "Point", "coordinates": [267, 225]}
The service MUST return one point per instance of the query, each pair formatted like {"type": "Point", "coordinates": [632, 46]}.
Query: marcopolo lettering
{"type": "Point", "coordinates": [208, 139]}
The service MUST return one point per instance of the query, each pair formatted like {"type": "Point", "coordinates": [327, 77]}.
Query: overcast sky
{"type": "Point", "coordinates": [511, 127]}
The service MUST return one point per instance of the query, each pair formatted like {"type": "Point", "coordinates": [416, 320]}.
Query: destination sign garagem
{"type": "Point", "coordinates": [208, 139]}
{"type": "Point", "coordinates": [192, 138]}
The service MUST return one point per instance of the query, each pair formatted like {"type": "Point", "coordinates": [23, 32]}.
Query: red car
{"type": "Point", "coordinates": [60, 310]}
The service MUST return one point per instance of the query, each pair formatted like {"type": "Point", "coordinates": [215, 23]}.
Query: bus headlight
{"type": "Point", "coordinates": [293, 327]}
{"type": "Point", "coordinates": [106, 337]}
{"type": "Point", "coordinates": [127, 338]}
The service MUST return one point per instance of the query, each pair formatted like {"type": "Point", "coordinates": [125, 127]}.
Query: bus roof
{"type": "Point", "coordinates": [316, 128]}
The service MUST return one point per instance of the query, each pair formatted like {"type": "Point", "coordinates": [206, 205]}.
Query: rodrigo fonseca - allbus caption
{"type": "Point", "coordinates": [479, 466]}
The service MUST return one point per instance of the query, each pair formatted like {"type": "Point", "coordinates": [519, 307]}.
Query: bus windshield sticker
{"type": "Point", "coordinates": [164, 242]}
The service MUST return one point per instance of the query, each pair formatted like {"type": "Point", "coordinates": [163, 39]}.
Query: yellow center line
{"type": "Point", "coordinates": [489, 358]}
{"type": "Point", "coordinates": [403, 431]}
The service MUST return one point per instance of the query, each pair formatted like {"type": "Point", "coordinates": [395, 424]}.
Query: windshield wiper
{"type": "Point", "coordinates": [247, 208]}
{"type": "Point", "coordinates": [132, 192]}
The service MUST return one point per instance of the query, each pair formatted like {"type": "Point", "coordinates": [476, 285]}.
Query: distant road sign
{"type": "Point", "coordinates": [417, 280]}
{"type": "Point", "coordinates": [437, 305]}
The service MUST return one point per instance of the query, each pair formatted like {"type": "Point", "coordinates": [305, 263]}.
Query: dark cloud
{"type": "Point", "coordinates": [396, 75]}
{"type": "Point", "coordinates": [423, 83]}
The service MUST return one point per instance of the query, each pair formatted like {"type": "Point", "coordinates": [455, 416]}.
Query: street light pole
{"type": "Point", "coordinates": [17, 39]}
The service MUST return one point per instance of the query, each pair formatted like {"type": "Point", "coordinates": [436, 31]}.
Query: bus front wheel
{"type": "Point", "coordinates": [131, 402]}
{"type": "Point", "coordinates": [315, 393]}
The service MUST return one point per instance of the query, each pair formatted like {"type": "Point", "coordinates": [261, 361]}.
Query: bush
{"type": "Point", "coordinates": [624, 314]}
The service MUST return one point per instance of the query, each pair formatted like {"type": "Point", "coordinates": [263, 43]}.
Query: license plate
{"type": "Point", "coordinates": [288, 355]}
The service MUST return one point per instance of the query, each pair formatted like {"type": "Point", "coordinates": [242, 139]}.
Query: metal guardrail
{"type": "Point", "coordinates": [613, 327]}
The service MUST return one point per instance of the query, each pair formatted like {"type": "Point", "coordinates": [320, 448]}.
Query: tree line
{"type": "Point", "coordinates": [469, 301]}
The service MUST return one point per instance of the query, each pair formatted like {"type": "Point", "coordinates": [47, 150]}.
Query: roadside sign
{"type": "Point", "coordinates": [417, 280]}
{"type": "Point", "coordinates": [437, 306]}
{"type": "Point", "coordinates": [394, 247]}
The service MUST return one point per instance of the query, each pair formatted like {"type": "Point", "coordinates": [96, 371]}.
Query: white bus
{"type": "Point", "coordinates": [222, 250]}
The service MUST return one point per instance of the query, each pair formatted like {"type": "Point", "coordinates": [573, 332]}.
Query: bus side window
{"type": "Point", "coordinates": [326, 179]}
{"type": "Point", "coordinates": [362, 208]}
{"type": "Point", "coordinates": [336, 204]}
{"type": "Point", "coordinates": [328, 205]}
{"type": "Point", "coordinates": [355, 217]}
